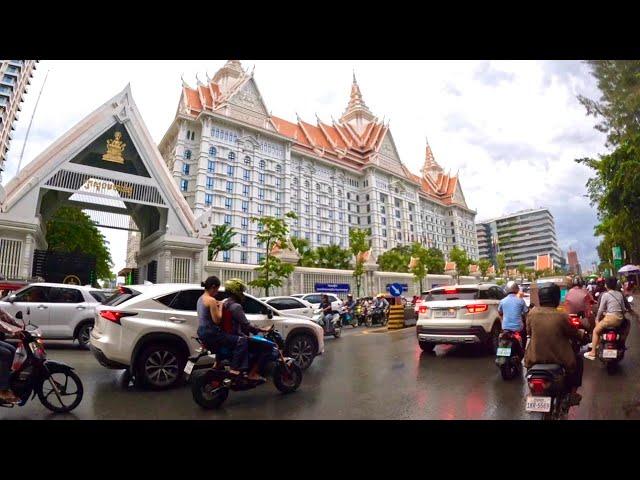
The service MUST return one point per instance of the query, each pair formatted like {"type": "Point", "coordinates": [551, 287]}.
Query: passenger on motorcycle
{"type": "Point", "coordinates": [381, 302]}
{"type": "Point", "coordinates": [513, 310]}
{"type": "Point", "coordinates": [327, 311]}
{"type": "Point", "coordinates": [578, 300]}
{"type": "Point", "coordinates": [612, 307]}
{"type": "Point", "coordinates": [350, 303]}
{"type": "Point", "coordinates": [550, 339]}
{"type": "Point", "coordinates": [7, 351]}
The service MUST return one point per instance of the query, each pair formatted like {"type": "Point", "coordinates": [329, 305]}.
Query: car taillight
{"type": "Point", "coordinates": [114, 315]}
{"type": "Point", "coordinates": [450, 290]}
{"type": "Point", "coordinates": [610, 337]}
{"type": "Point", "coordinates": [538, 385]}
{"type": "Point", "coordinates": [423, 309]}
{"type": "Point", "coordinates": [479, 308]}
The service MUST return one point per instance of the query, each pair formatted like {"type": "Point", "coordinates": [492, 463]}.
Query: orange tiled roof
{"type": "Point", "coordinates": [450, 266]}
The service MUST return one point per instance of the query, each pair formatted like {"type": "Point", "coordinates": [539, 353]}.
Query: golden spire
{"type": "Point", "coordinates": [356, 109]}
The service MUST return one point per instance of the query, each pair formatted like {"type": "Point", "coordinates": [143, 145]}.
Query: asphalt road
{"type": "Point", "coordinates": [363, 375]}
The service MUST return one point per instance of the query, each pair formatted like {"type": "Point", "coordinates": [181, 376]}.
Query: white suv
{"type": "Point", "coordinates": [150, 329]}
{"type": "Point", "coordinates": [460, 314]}
{"type": "Point", "coordinates": [315, 298]}
{"type": "Point", "coordinates": [63, 312]}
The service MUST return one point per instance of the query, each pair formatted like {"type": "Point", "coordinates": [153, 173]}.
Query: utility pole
{"type": "Point", "coordinates": [24, 144]}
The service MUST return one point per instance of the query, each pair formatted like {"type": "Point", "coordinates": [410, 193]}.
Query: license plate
{"type": "Point", "coordinates": [504, 352]}
{"type": "Point", "coordinates": [188, 368]}
{"type": "Point", "coordinates": [609, 353]}
{"type": "Point", "coordinates": [444, 314]}
{"type": "Point", "coordinates": [538, 404]}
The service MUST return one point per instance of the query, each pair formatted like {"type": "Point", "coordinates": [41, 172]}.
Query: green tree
{"type": "Point", "coordinates": [501, 263]}
{"type": "Point", "coordinates": [522, 268]}
{"type": "Point", "coordinates": [358, 243]}
{"type": "Point", "coordinates": [462, 260]}
{"type": "Point", "coordinates": [434, 261]}
{"type": "Point", "coordinates": [272, 271]}
{"type": "Point", "coordinates": [306, 253]}
{"type": "Point", "coordinates": [221, 236]}
{"type": "Point", "coordinates": [71, 230]}
{"type": "Point", "coordinates": [484, 266]}
{"type": "Point", "coordinates": [332, 256]}
{"type": "Point", "coordinates": [419, 270]}
{"type": "Point", "coordinates": [396, 259]}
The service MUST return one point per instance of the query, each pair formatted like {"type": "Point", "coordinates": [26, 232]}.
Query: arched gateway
{"type": "Point", "coordinates": [108, 165]}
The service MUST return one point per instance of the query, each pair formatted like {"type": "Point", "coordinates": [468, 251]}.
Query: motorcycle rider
{"type": "Point", "coordinates": [591, 287]}
{"type": "Point", "coordinates": [578, 301]}
{"type": "Point", "coordinates": [612, 306]}
{"type": "Point", "coordinates": [513, 310]}
{"type": "Point", "coordinates": [327, 311]}
{"type": "Point", "coordinates": [550, 339]}
{"type": "Point", "coordinates": [350, 303]}
{"type": "Point", "coordinates": [7, 351]}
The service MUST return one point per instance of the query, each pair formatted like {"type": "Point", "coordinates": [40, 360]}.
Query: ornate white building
{"type": "Point", "coordinates": [232, 159]}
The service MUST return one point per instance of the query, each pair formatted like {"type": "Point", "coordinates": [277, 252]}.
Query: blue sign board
{"type": "Point", "coordinates": [396, 289]}
{"type": "Point", "coordinates": [404, 286]}
{"type": "Point", "coordinates": [333, 287]}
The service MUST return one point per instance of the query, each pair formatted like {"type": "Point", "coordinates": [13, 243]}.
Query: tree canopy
{"type": "Point", "coordinates": [221, 236]}
{"type": "Point", "coordinates": [462, 260]}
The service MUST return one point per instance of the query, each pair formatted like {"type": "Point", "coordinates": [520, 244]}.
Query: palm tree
{"type": "Point", "coordinates": [332, 256]}
{"type": "Point", "coordinates": [221, 236]}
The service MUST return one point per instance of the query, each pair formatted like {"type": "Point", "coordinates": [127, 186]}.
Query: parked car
{"type": "Point", "coordinates": [63, 312]}
{"type": "Point", "coordinates": [150, 330]}
{"type": "Point", "coordinates": [290, 305]}
{"type": "Point", "coordinates": [460, 314]}
{"type": "Point", "coordinates": [315, 298]}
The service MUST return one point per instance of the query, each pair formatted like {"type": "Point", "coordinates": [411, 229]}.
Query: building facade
{"type": "Point", "coordinates": [15, 77]}
{"type": "Point", "coordinates": [234, 160]}
{"type": "Point", "coordinates": [574, 264]}
{"type": "Point", "coordinates": [521, 237]}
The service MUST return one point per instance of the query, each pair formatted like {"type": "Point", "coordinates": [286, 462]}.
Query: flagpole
{"type": "Point", "coordinates": [24, 144]}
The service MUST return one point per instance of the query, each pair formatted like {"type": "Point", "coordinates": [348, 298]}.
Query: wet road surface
{"type": "Point", "coordinates": [363, 375]}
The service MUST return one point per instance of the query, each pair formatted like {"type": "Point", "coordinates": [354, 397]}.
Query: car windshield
{"type": "Point", "coordinates": [439, 294]}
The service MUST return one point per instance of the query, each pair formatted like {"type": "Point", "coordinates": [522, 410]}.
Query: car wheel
{"type": "Point", "coordinates": [427, 346]}
{"type": "Point", "coordinates": [493, 339]}
{"type": "Point", "coordinates": [302, 348]}
{"type": "Point", "coordinates": [160, 366]}
{"type": "Point", "coordinates": [83, 335]}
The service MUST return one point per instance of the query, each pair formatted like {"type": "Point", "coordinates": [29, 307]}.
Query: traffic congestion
{"type": "Point", "coordinates": [215, 338]}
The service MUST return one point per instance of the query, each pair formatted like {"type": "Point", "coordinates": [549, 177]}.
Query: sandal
{"type": "Point", "coordinates": [589, 357]}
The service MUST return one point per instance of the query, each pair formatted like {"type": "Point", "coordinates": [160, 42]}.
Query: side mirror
{"type": "Point", "coordinates": [12, 298]}
{"type": "Point", "coordinates": [269, 314]}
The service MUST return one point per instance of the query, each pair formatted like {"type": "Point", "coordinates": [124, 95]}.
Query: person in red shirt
{"type": "Point", "coordinates": [578, 301]}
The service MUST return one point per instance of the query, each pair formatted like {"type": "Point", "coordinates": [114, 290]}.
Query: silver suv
{"type": "Point", "coordinates": [63, 312]}
{"type": "Point", "coordinates": [460, 314]}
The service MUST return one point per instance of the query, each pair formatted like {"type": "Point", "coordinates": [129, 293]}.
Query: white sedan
{"type": "Point", "coordinates": [290, 305]}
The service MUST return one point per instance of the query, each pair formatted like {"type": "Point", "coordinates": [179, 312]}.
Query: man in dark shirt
{"type": "Point", "coordinates": [327, 311]}
{"type": "Point", "coordinates": [7, 352]}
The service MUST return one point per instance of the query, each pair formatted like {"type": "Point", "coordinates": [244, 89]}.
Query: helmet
{"type": "Point", "coordinates": [577, 282]}
{"type": "Point", "coordinates": [236, 287]}
{"type": "Point", "coordinates": [549, 295]}
{"type": "Point", "coordinates": [592, 282]}
{"type": "Point", "coordinates": [380, 295]}
{"type": "Point", "coordinates": [512, 287]}
{"type": "Point", "coordinates": [349, 295]}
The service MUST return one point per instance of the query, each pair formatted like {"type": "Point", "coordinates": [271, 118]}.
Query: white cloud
{"type": "Point", "coordinates": [512, 128]}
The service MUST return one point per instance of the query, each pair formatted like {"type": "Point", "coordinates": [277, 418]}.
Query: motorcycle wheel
{"type": "Point", "coordinates": [337, 332]}
{"type": "Point", "coordinates": [208, 392]}
{"type": "Point", "coordinates": [509, 370]}
{"type": "Point", "coordinates": [612, 368]}
{"type": "Point", "coordinates": [57, 401]}
{"type": "Point", "coordinates": [368, 322]}
{"type": "Point", "coordinates": [287, 378]}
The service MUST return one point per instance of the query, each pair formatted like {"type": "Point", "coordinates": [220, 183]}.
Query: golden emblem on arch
{"type": "Point", "coordinates": [71, 280]}
{"type": "Point", "coordinates": [115, 148]}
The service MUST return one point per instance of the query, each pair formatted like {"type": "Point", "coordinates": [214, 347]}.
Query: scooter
{"type": "Point", "coordinates": [335, 325]}
{"type": "Point", "coordinates": [379, 316]}
{"type": "Point", "coordinates": [348, 318]}
{"type": "Point", "coordinates": [610, 348]}
{"type": "Point", "coordinates": [210, 388]}
{"type": "Point", "coordinates": [509, 354]}
{"type": "Point", "coordinates": [361, 316]}
{"type": "Point", "coordinates": [549, 392]}
{"type": "Point", "coordinates": [57, 386]}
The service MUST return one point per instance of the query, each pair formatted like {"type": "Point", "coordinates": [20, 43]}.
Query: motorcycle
{"type": "Point", "coordinates": [509, 354]}
{"type": "Point", "coordinates": [360, 315]}
{"type": "Point", "coordinates": [210, 387]}
{"type": "Point", "coordinates": [379, 316]}
{"type": "Point", "coordinates": [348, 318]}
{"type": "Point", "coordinates": [549, 392]}
{"type": "Point", "coordinates": [335, 325]}
{"type": "Point", "coordinates": [57, 386]}
{"type": "Point", "coordinates": [610, 348]}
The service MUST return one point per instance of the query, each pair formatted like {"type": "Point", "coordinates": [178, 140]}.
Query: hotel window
{"type": "Point", "coordinates": [213, 152]}
{"type": "Point", "coordinates": [187, 154]}
{"type": "Point", "coordinates": [340, 216]}
{"type": "Point", "coordinates": [245, 190]}
{"type": "Point", "coordinates": [245, 206]}
{"type": "Point", "coordinates": [231, 156]}
{"type": "Point", "coordinates": [306, 184]}
{"type": "Point", "coordinates": [384, 244]}
{"type": "Point", "coordinates": [319, 237]}
{"type": "Point", "coordinates": [306, 209]}
{"type": "Point", "coordinates": [208, 199]}
{"type": "Point", "coordinates": [384, 232]}
{"type": "Point", "coordinates": [243, 257]}
{"type": "Point", "coordinates": [210, 183]}
{"type": "Point", "coordinates": [260, 209]}
{"type": "Point", "coordinates": [229, 187]}
{"type": "Point", "coordinates": [319, 225]}
{"type": "Point", "coordinates": [278, 211]}
{"type": "Point", "coordinates": [398, 225]}
{"type": "Point", "coordinates": [262, 164]}
{"type": "Point", "coordinates": [318, 211]}
{"type": "Point", "coordinates": [260, 257]}
{"type": "Point", "coordinates": [339, 193]}
{"type": "Point", "coordinates": [369, 220]}
{"type": "Point", "coordinates": [318, 186]}
{"type": "Point", "coordinates": [278, 197]}
{"type": "Point", "coordinates": [261, 194]}
{"type": "Point", "coordinates": [307, 222]}
{"type": "Point", "coordinates": [261, 178]}
{"type": "Point", "coordinates": [226, 256]}
{"type": "Point", "coordinates": [307, 235]}
{"type": "Point", "coordinates": [331, 214]}
{"type": "Point", "coordinates": [278, 182]}
{"type": "Point", "coordinates": [397, 213]}
{"type": "Point", "coordinates": [228, 203]}
{"type": "Point", "coordinates": [278, 168]}
{"type": "Point", "coordinates": [306, 196]}
{"type": "Point", "coordinates": [230, 170]}
{"type": "Point", "coordinates": [247, 160]}
{"type": "Point", "coordinates": [184, 184]}
{"type": "Point", "coordinates": [295, 181]}
{"type": "Point", "coordinates": [383, 210]}
{"type": "Point", "coordinates": [211, 167]}
{"type": "Point", "coordinates": [227, 219]}
{"type": "Point", "coordinates": [246, 175]}
{"type": "Point", "coordinates": [244, 222]}
{"type": "Point", "coordinates": [185, 169]}
{"type": "Point", "coordinates": [244, 239]}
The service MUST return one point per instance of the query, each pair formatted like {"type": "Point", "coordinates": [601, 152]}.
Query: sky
{"type": "Point", "coordinates": [511, 129]}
